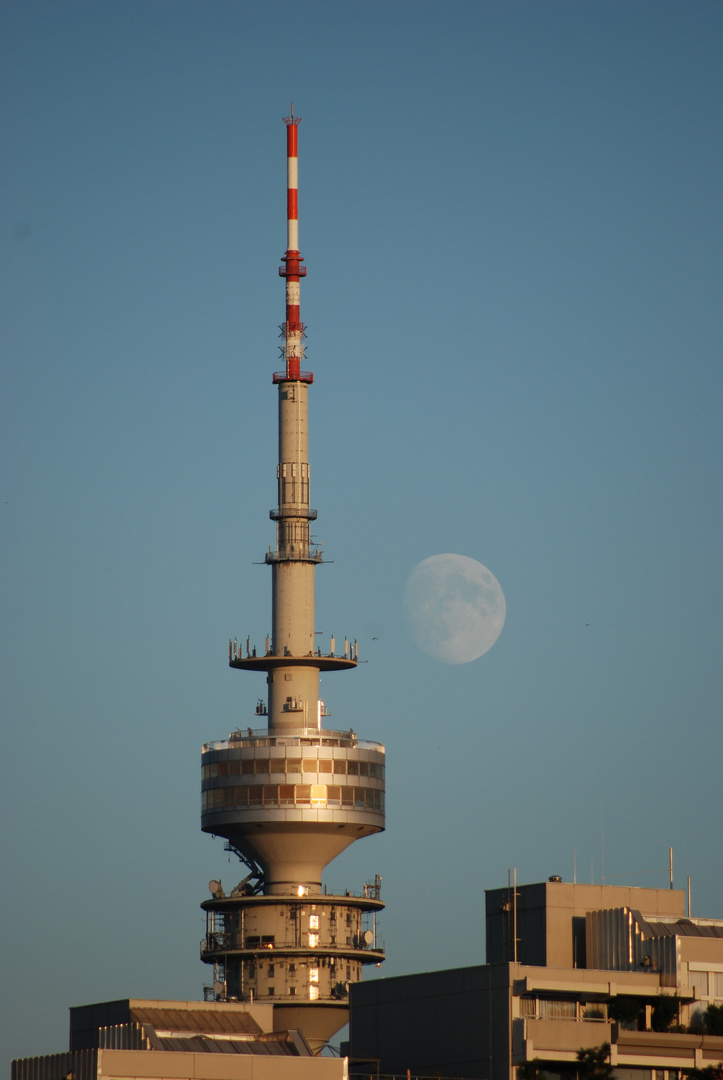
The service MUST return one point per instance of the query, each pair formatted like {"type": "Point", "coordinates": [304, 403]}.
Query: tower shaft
{"type": "Point", "coordinates": [293, 689]}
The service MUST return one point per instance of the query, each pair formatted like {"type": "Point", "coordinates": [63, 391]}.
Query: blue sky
{"type": "Point", "coordinates": [511, 217]}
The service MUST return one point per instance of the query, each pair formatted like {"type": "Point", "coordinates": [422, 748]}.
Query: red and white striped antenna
{"type": "Point", "coordinates": [293, 329]}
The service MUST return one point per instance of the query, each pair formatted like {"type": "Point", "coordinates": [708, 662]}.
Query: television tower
{"type": "Point", "coordinates": [290, 797]}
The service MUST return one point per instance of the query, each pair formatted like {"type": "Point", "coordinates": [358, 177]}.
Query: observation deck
{"type": "Point", "coordinates": [293, 376]}
{"type": "Point", "coordinates": [330, 661]}
{"type": "Point", "coordinates": [328, 779]}
{"type": "Point", "coordinates": [311, 555]}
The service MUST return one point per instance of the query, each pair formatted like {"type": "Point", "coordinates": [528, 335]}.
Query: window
{"type": "Point", "coordinates": [313, 922]}
{"type": "Point", "coordinates": [325, 765]}
{"type": "Point", "coordinates": [708, 984]}
{"type": "Point", "coordinates": [310, 765]}
{"type": "Point", "coordinates": [594, 1010]}
{"type": "Point", "coordinates": [557, 1010]}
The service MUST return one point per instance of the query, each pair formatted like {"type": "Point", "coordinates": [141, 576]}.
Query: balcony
{"type": "Point", "coordinates": [293, 376]}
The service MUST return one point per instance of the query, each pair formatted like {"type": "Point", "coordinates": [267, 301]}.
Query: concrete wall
{"type": "Point", "coordinates": [455, 1022]}
{"type": "Point", "coordinates": [550, 918]}
{"type": "Point", "coordinates": [162, 1065]}
{"type": "Point", "coordinates": [159, 1065]}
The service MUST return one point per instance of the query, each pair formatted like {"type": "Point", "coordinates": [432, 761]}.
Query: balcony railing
{"type": "Point", "coordinates": [299, 376]}
{"type": "Point", "coordinates": [259, 737]}
{"type": "Point", "coordinates": [226, 943]}
{"type": "Point", "coordinates": [561, 1009]}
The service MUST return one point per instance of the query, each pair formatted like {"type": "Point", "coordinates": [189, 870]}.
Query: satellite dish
{"type": "Point", "coordinates": [218, 988]}
{"type": "Point", "coordinates": [214, 886]}
{"type": "Point", "coordinates": [368, 937]}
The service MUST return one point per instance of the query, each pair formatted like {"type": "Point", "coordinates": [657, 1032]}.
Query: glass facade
{"type": "Point", "coordinates": [303, 795]}
{"type": "Point", "coordinates": [266, 766]}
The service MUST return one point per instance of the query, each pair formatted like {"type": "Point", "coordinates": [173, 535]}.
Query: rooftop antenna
{"type": "Point", "coordinates": [514, 910]}
{"type": "Point", "coordinates": [602, 843]}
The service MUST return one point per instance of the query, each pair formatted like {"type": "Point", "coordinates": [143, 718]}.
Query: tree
{"type": "Point", "coordinates": [594, 1063]}
{"type": "Point", "coordinates": [710, 1072]}
{"type": "Point", "coordinates": [531, 1070]}
{"type": "Point", "coordinates": [713, 1020]}
{"type": "Point", "coordinates": [665, 1012]}
{"type": "Point", "coordinates": [625, 1010]}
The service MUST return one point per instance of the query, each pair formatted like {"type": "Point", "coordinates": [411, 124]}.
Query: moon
{"type": "Point", "coordinates": [455, 608]}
